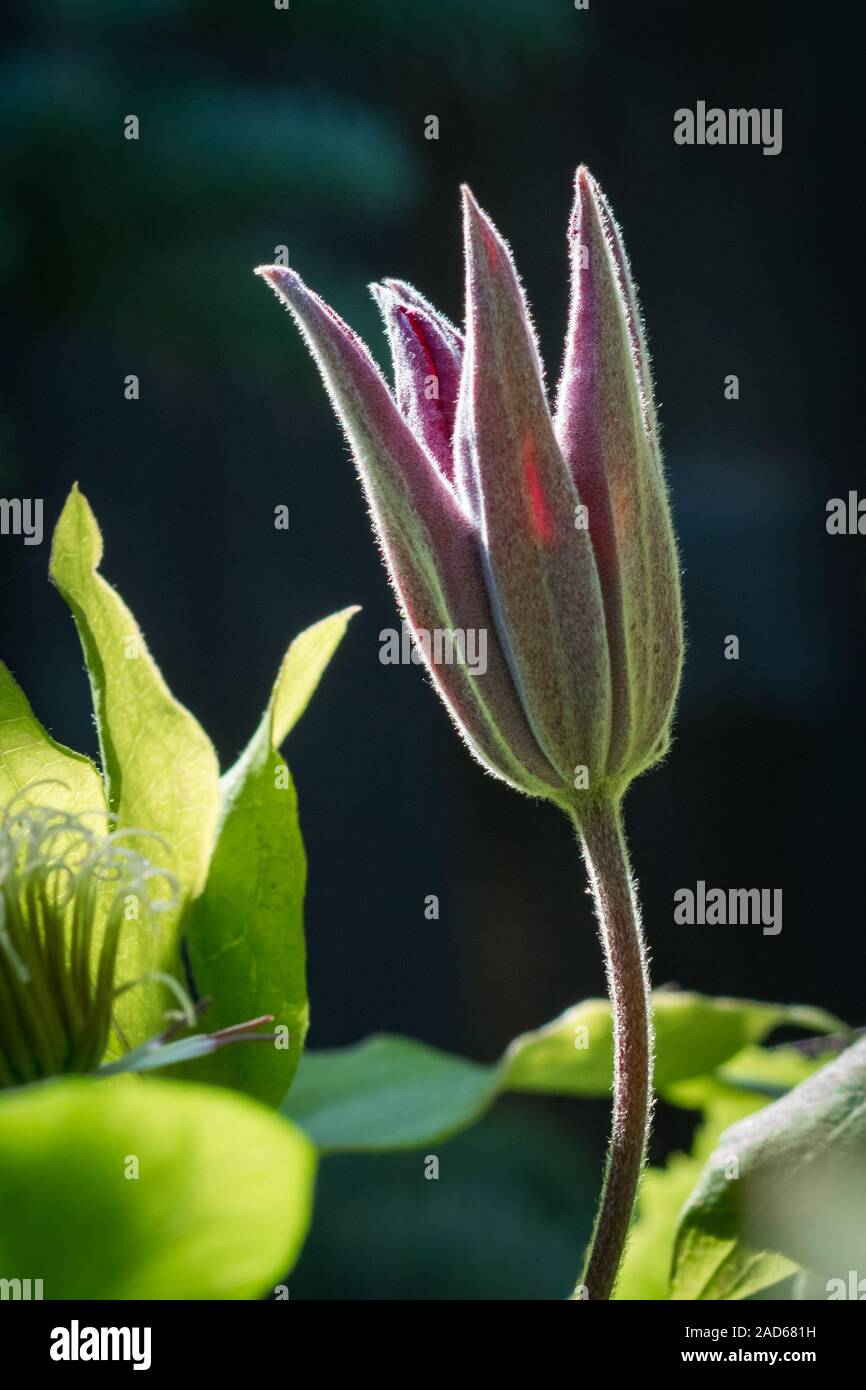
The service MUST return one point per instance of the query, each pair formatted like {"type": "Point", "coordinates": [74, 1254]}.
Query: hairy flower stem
{"type": "Point", "coordinates": [606, 857]}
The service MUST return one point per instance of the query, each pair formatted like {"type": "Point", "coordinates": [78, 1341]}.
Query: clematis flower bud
{"type": "Point", "coordinates": [427, 355]}
{"type": "Point", "coordinates": [550, 530]}
{"type": "Point", "coordinates": [606, 426]}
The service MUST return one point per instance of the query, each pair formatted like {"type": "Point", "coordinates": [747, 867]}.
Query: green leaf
{"type": "Point", "coordinates": [645, 1272]}
{"type": "Point", "coordinates": [364, 1098]}
{"type": "Point", "coordinates": [762, 1073]}
{"type": "Point", "coordinates": [160, 767]}
{"type": "Point", "coordinates": [218, 1210]}
{"type": "Point", "coordinates": [664, 1192]}
{"type": "Point", "coordinates": [32, 761]}
{"type": "Point", "coordinates": [387, 1093]}
{"type": "Point", "coordinates": [799, 1197]}
{"type": "Point", "coordinates": [302, 670]}
{"type": "Point", "coordinates": [245, 934]}
{"type": "Point", "coordinates": [694, 1035]}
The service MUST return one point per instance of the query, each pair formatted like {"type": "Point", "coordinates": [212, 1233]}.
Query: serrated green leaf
{"type": "Point", "coordinates": [362, 1099]}
{"type": "Point", "coordinates": [245, 934]}
{"type": "Point", "coordinates": [217, 1209]}
{"type": "Point", "coordinates": [160, 767]}
{"type": "Point", "coordinates": [32, 761]}
{"type": "Point", "coordinates": [799, 1195]}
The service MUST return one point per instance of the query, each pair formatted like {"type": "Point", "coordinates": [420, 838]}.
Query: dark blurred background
{"type": "Point", "coordinates": [305, 128]}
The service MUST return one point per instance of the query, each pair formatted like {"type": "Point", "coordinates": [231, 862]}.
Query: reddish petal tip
{"type": "Point", "coordinates": [279, 277]}
{"type": "Point", "coordinates": [586, 193]}
{"type": "Point", "coordinates": [480, 232]}
{"type": "Point", "coordinates": [475, 219]}
{"type": "Point", "coordinates": [470, 204]}
{"type": "Point", "coordinates": [381, 292]}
